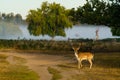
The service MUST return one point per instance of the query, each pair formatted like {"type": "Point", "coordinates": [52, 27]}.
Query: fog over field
{"type": "Point", "coordinates": [12, 31]}
{"type": "Point", "coordinates": [78, 31]}
{"type": "Point", "coordinates": [9, 31]}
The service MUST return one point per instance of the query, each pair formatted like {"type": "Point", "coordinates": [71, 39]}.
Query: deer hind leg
{"type": "Point", "coordinates": [90, 61]}
{"type": "Point", "coordinates": [81, 64]}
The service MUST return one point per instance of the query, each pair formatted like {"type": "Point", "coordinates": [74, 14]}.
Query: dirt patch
{"type": "Point", "coordinates": [66, 65]}
{"type": "Point", "coordinates": [39, 62]}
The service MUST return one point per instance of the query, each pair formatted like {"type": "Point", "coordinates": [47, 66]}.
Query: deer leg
{"type": "Point", "coordinates": [90, 61]}
{"type": "Point", "coordinates": [79, 64]}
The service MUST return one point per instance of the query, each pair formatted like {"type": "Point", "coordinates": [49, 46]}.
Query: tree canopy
{"type": "Point", "coordinates": [51, 19]}
{"type": "Point", "coordinates": [100, 12]}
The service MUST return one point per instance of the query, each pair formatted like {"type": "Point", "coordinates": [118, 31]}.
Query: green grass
{"type": "Point", "coordinates": [56, 74]}
{"type": "Point", "coordinates": [16, 71]}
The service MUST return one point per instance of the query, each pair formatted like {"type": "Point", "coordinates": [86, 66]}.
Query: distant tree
{"type": "Point", "coordinates": [0, 16]}
{"type": "Point", "coordinates": [18, 18]}
{"type": "Point", "coordinates": [3, 16]}
{"type": "Point", "coordinates": [50, 19]}
{"type": "Point", "coordinates": [13, 18]}
{"type": "Point", "coordinates": [10, 17]}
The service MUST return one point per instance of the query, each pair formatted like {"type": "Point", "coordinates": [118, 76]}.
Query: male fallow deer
{"type": "Point", "coordinates": [83, 56]}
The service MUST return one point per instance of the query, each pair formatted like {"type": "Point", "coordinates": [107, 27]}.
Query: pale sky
{"type": "Point", "coordinates": [23, 6]}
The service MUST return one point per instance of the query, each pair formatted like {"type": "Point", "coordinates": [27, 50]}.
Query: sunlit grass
{"type": "Point", "coordinates": [15, 71]}
{"type": "Point", "coordinates": [106, 66]}
{"type": "Point", "coordinates": [97, 74]}
{"type": "Point", "coordinates": [56, 74]}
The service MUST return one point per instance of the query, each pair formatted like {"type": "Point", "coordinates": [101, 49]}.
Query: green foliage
{"type": "Point", "coordinates": [114, 11]}
{"type": "Point", "coordinates": [72, 15]}
{"type": "Point", "coordinates": [98, 12]}
{"type": "Point", "coordinates": [50, 19]}
{"type": "Point", "coordinates": [93, 12]}
{"type": "Point", "coordinates": [115, 31]}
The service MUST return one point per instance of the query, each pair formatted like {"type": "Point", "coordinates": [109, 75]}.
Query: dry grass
{"type": "Point", "coordinates": [15, 71]}
{"type": "Point", "coordinates": [106, 66]}
{"type": "Point", "coordinates": [56, 74]}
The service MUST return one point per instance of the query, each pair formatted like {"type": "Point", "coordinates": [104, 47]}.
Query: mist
{"type": "Point", "coordinates": [78, 31]}
{"type": "Point", "coordinates": [84, 31]}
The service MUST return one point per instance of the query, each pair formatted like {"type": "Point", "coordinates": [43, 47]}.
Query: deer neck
{"type": "Point", "coordinates": [76, 54]}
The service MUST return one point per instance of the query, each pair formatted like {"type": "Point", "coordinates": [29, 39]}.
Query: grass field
{"type": "Point", "coordinates": [15, 71]}
{"type": "Point", "coordinates": [56, 74]}
{"type": "Point", "coordinates": [106, 66]}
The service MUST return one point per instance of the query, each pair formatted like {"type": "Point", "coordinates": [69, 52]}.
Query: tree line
{"type": "Point", "coordinates": [52, 18]}
{"type": "Point", "coordinates": [12, 18]}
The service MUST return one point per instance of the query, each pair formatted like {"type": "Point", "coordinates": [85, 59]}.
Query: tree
{"type": "Point", "coordinates": [0, 16]}
{"type": "Point", "coordinates": [3, 16]}
{"type": "Point", "coordinates": [72, 14]}
{"type": "Point", "coordinates": [18, 18]}
{"type": "Point", "coordinates": [114, 13]}
{"type": "Point", "coordinates": [10, 17]}
{"type": "Point", "coordinates": [87, 13]}
{"type": "Point", "coordinates": [115, 31]}
{"type": "Point", "coordinates": [50, 19]}
{"type": "Point", "coordinates": [92, 12]}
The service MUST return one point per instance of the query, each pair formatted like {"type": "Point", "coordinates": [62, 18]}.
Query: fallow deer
{"type": "Point", "coordinates": [80, 56]}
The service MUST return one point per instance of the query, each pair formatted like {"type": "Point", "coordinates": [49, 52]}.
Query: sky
{"type": "Point", "coordinates": [23, 6]}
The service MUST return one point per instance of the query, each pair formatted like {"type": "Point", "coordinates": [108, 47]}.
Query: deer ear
{"type": "Point", "coordinates": [73, 48]}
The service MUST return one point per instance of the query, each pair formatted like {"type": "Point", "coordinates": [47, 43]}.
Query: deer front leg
{"type": "Point", "coordinates": [79, 64]}
{"type": "Point", "coordinates": [90, 61]}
